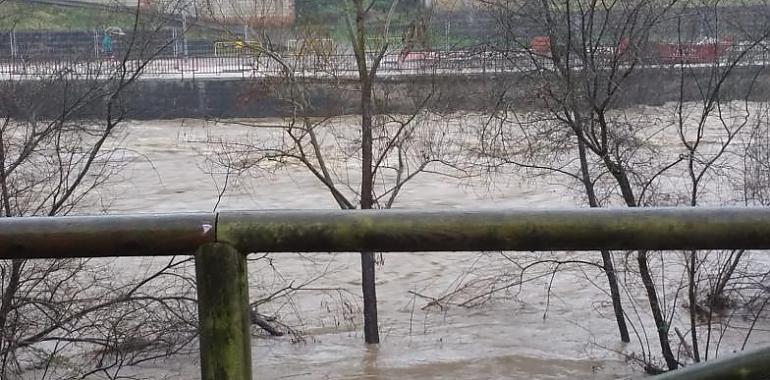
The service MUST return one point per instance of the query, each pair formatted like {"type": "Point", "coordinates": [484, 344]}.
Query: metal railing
{"type": "Point", "coordinates": [259, 64]}
{"type": "Point", "coordinates": [220, 242]}
{"type": "Point", "coordinates": [246, 63]}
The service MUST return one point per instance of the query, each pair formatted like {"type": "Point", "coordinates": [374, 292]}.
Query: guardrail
{"type": "Point", "coordinates": [220, 242]}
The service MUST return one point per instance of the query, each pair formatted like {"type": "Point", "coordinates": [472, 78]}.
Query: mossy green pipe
{"type": "Point", "coordinates": [223, 312]}
{"type": "Point", "coordinates": [387, 230]}
{"type": "Point", "coordinates": [480, 230]}
{"type": "Point", "coordinates": [746, 365]}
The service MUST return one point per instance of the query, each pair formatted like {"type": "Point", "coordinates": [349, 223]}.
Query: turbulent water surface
{"type": "Point", "coordinates": [528, 332]}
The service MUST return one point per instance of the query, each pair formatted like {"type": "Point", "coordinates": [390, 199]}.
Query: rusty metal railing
{"type": "Point", "coordinates": [220, 241]}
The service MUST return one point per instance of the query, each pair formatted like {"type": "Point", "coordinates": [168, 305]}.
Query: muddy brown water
{"type": "Point", "coordinates": [523, 334]}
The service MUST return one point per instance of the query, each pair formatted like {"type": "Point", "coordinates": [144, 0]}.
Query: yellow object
{"type": "Point", "coordinates": [236, 48]}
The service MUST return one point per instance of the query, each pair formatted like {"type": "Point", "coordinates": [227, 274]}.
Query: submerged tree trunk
{"type": "Point", "coordinates": [368, 288]}
{"type": "Point", "coordinates": [621, 176]}
{"type": "Point", "coordinates": [609, 267]}
{"type": "Point", "coordinates": [660, 323]}
{"type": "Point", "coordinates": [617, 305]}
{"type": "Point", "coordinates": [371, 333]}
{"type": "Point", "coordinates": [692, 299]}
{"type": "Point", "coordinates": [9, 293]}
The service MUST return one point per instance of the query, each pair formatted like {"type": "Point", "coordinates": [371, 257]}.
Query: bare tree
{"type": "Point", "coordinates": [583, 63]}
{"type": "Point", "coordinates": [59, 142]}
{"type": "Point", "coordinates": [579, 70]}
{"type": "Point", "coordinates": [385, 150]}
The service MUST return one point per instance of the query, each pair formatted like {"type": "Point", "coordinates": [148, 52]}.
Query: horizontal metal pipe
{"type": "Point", "coordinates": [517, 229]}
{"type": "Point", "coordinates": [388, 230]}
{"type": "Point", "coordinates": [746, 365]}
{"type": "Point", "coordinates": [101, 236]}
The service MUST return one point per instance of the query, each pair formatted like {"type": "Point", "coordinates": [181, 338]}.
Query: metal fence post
{"type": "Point", "coordinates": [175, 38]}
{"type": "Point", "coordinates": [96, 44]}
{"type": "Point", "coordinates": [223, 312]}
{"type": "Point", "coordinates": [12, 36]}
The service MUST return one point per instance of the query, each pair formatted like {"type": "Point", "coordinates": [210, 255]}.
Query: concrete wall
{"type": "Point", "coordinates": [214, 98]}
{"type": "Point", "coordinates": [261, 98]}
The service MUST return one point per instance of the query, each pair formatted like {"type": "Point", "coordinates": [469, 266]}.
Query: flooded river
{"type": "Point", "coordinates": [526, 332]}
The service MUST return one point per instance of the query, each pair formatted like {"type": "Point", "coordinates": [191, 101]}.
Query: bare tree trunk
{"type": "Point", "coordinates": [371, 330]}
{"type": "Point", "coordinates": [609, 268]}
{"type": "Point", "coordinates": [371, 333]}
{"type": "Point", "coordinates": [620, 175]}
{"type": "Point", "coordinates": [9, 293]}
{"type": "Point", "coordinates": [657, 314]}
{"type": "Point", "coordinates": [719, 290]}
{"type": "Point", "coordinates": [691, 268]}
{"type": "Point", "coordinates": [612, 279]}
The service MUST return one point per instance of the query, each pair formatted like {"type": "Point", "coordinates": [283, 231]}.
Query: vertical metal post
{"type": "Point", "coordinates": [13, 43]}
{"type": "Point", "coordinates": [176, 42]}
{"type": "Point", "coordinates": [184, 32]}
{"type": "Point", "coordinates": [223, 312]}
{"type": "Point", "coordinates": [446, 34]}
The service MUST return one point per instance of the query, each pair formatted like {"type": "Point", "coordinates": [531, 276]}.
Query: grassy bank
{"type": "Point", "coordinates": [27, 17]}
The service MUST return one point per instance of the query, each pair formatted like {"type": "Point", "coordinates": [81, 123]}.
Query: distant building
{"type": "Point", "coordinates": [453, 5]}
{"type": "Point", "coordinates": [254, 12]}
